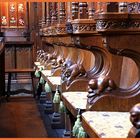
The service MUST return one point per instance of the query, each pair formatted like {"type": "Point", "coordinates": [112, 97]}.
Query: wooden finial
{"type": "Point", "coordinates": [62, 13]}
{"type": "Point", "coordinates": [83, 14]}
{"type": "Point", "coordinates": [48, 10]}
{"type": "Point", "coordinates": [75, 10]}
{"type": "Point", "coordinates": [91, 10]}
{"type": "Point", "coordinates": [54, 13]}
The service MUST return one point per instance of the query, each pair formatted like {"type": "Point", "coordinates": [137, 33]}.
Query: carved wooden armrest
{"type": "Point", "coordinates": [56, 72]}
{"type": "Point", "coordinates": [114, 101]}
{"type": "Point", "coordinates": [76, 85]}
{"type": "Point", "coordinates": [124, 27]}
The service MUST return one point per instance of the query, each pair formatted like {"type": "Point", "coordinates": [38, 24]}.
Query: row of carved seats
{"type": "Point", "coordinates": [106, 102]}
{"type": "Point", "coordinates": [69, 97]}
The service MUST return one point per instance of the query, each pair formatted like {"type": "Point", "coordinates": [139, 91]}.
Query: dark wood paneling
{"type": "Point", "coordinates": [2, 69]}
{"type": "Point", "coordinates": [129, 73]}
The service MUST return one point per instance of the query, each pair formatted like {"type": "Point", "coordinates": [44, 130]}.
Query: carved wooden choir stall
{"type": "Point", "coordinates": [91, 85]}
{"type": "Point", "coordinates": [83, 59]}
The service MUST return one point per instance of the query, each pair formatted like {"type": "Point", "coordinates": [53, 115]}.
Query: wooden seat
{"type": "Point", "coordinates": [15, 71]}
{"type": "Point", "coordinates": [107, 124]}
{"type": "Point", "coordinates": [75, 100]}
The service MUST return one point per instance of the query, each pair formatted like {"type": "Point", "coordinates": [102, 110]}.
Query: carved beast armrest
{"type": "Point", "coordinates": [125, 28]}
{"type": "Point", "coordinates": [76, 85]}
{"type": "Point", "coordinates": [56, 72]}
{"type": "Point", "coordinates": [113, 101]}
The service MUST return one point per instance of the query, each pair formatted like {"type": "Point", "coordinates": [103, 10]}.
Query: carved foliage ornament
{"type": "Point", "coordinates": [116, 24]}
{"type": "Point", "coordinates": [83, 28]}
{"type": "Point", "coordinates": [61, 29]}
{"type": "Point", "coordinates": [133, 7]}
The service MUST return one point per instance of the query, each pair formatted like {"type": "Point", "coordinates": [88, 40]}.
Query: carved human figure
{"type": "Point", "coordinates": [135, 120]}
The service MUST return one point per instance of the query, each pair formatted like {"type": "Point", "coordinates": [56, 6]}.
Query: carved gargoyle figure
{"type": "Point", "coordinates": [42, 57]}
{"type": "Point", "coordinates": [67, 63]}
{"type": "Point", "coordinates": [58, 63]}
{"type": "Point", "coordinates": [98, 86]}
{"type": "Point", "coordinates": [135, 120]}
{"type": "Point", "coordinates": [50, 58]}
{"type": "Point", "coordinates": [74, 71]}
{"type": "Point", "coordinates": [39, 54]}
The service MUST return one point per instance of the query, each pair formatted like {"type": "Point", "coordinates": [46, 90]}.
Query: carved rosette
{"type": "Point", "coordinates": [83, 26]}
{"type": "Point", "coordinates": [61, 29]}
{"type": "Point", "coordinates": [117, 22]}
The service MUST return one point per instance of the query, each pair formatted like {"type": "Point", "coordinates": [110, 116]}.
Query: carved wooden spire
{"type": "Point", "coordinates": [75, 10]}
{"type": "Point", "coordinates": [61, 26]}
{"type": "Point", "coordinates": [62, 12]}
{"type": "Point", "coordinates": [54, 13]}
{"type": "Point", "coordinates": [91, 10]}
{"type": "Point", "coordinates": [48, 10]}
{"type": "Point", "coordinates": [101, 7]}
{"type": "Point", "coordinates": [83, 10]}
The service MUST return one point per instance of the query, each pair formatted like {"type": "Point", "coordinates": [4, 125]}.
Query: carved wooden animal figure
{"type": "Point", "coordinates": [135, 120]}
{"type": "Point", "coordinates": [51, 57]}
{"type": "Point", "coordinates": [74, 71]}
{"type": "Point", "coordinates": [98, 86]}
{"type": "Point", "coordinates": [58, 63]}
{"type": "Point", "coordinates": [67, 63]}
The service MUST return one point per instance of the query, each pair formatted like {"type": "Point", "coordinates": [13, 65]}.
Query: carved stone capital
{"type": "Point", "coordinates": [83, 26]}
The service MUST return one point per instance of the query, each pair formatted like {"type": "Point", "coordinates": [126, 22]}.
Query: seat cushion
{"type": "Point", "coordinates": [37, 63]}
{"type": "Point", "coordinates": [77, 99]}
{"type": "Point", "coordinates": [55, 80]}
{"type": "Point", "coordinates": [46, 72]}
{"type": "Point", "coordinates": [108, 124]}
